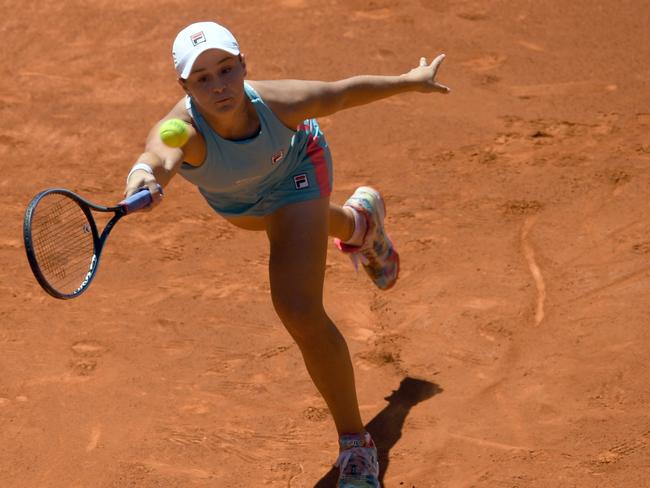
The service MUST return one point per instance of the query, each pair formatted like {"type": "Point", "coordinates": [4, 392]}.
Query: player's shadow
{"type": "Point", "coordinates": [386, 426]}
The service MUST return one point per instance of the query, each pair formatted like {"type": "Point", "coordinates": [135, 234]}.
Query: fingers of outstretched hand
{"type": "Point", "coordinates": [423, 61]}
{"type": "Point", "coordinates": [441, 88]}
{"type": "Point", "coordinates": [435, 64]}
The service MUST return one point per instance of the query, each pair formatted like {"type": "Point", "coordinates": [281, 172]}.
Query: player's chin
{"type": "Point", "coordinates": [224, 104]}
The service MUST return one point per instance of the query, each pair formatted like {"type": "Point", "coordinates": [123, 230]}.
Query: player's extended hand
{"type": "Point", "coordinates": [424, 76]}
{"type": "Point", "coordinates": [141, 178]}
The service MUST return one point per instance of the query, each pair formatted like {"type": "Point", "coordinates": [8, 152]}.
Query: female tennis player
{"type": "Point", "coordinates": [258, 156]}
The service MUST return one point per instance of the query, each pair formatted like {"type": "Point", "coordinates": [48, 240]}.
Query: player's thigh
{"type": "Point", "coordinates": [298, 238]}
{"type": "Point", "coordinates": [247, 223]}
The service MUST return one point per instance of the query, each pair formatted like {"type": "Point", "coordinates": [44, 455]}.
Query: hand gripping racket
{"type": "Point", "coordinates": [62, 241]}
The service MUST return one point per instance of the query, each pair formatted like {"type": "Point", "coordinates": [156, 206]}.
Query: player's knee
{"type": "Point", "coordinates": [297, 312]}
{"type": "Point", "coordinates": [302, 318]}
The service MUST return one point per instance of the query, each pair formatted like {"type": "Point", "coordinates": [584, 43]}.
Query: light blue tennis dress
{"type": "Point", "coordinates": [256, 176]}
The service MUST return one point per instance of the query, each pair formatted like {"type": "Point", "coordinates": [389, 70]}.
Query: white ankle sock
{"type": "Point", "coordinates": [359, 228]}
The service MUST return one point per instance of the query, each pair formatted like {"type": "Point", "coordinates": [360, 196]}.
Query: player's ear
{"type": "Point", "coordinates": [242, 60]}
{"type": "Point", "coordinates": [182, 82]}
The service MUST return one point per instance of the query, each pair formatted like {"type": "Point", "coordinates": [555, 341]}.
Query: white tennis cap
{"type": "Point", "coordinates": [197, 38]}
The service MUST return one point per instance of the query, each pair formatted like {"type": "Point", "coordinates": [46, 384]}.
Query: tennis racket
{"type": "Point", "coordinates": [62, 241]}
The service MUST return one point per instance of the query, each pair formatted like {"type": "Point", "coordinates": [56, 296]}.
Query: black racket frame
{"type": "Point", "coordinates": [98, 240]}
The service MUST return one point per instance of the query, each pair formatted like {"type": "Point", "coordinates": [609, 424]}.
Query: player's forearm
{"type": "Point", "coordinates": [163, 160]}
{"type": "Point", "coordinates": [152, 170]}
{"type": "Point", "coordinates": [364, 89]}
{"type": "Point", "coordinates": [163, 166]}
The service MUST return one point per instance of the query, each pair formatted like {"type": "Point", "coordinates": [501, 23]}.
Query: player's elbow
{"type": "Point", "coordinates": [343, 95]}
{"type": "Point", "coordinates": [333, 99]}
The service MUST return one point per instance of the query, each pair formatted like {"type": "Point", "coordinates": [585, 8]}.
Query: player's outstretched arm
{"type": "Point", "coordinates": [296, 100]}
{"type": "Point", "coordinates": [162, 160]}
{"type": "Point", "coordinates": [360, 90]}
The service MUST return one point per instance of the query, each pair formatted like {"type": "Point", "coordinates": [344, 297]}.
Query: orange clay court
{"type": "Point", "coordinates": [513, 351]}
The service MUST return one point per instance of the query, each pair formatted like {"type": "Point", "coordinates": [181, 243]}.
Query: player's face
{"type": "Point", "coordinates": [216, 82]}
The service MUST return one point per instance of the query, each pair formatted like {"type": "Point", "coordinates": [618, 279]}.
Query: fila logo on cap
{"type": "Point", "coordinates": [197, 38]}
{"type": "Point", "coordinates": [301, 181]}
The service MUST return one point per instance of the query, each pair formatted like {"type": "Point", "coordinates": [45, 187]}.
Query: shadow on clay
{"type": "Point", "coordinates": [386, 426]}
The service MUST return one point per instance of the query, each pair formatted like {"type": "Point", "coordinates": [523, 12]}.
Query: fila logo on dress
{"type": "Point", "coordinates": [301, 181]}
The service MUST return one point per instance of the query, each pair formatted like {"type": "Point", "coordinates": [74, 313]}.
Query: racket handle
{"type": "Point", "coordinates": [139, 200]}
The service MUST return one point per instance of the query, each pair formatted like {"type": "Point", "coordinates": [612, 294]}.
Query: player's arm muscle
{"type": "Point", "coordinates": [296, 100]}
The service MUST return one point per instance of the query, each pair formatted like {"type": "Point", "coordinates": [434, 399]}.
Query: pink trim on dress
{"type": "Point", "coordinates": [317, 156]}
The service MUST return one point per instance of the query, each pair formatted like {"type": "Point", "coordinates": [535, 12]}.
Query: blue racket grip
{"type": "Point", "coordinates": [139, 200]}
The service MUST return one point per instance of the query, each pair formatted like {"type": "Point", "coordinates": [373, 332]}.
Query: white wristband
{"type": "Point", "coordinates": [136, 167]}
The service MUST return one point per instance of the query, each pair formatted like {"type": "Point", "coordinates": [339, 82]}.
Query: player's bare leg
{"type": "Point", "coordinates": [341, 222]}
{"type": "Point", "coordinates": [358, 229]}
{"type": "Point", "coordinates": [298, 238]}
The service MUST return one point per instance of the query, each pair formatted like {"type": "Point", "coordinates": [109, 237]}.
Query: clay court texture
{"type": "Point", "coordinates": [513, 352]}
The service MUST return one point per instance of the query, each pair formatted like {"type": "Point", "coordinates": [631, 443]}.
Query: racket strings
{"type": "Point", "coordinates": [57, 266]}
{"type": "Point", "coordinates": [49, 245]}
{"type": "Point", "coordinates": [69, 225]}
{"type": "Point", "coordinates": [50, 254]}
{"type": "Point", "coordinates": [57, 261]}
{"type": "Point", "coordinates": [63, 242]}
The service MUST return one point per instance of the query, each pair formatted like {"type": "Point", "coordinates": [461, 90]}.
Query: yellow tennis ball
{"type": "Point", "coordinates": [173, 133]}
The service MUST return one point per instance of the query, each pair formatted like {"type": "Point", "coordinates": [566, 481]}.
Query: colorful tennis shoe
{"type": "Point", "coordinates": [379, 258]}
{"type": "Point", "coordinates": [357, 462]}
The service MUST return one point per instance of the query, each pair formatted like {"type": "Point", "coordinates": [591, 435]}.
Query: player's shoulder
{"type": "Point", "coordinates": [290, 100]}
{"type": "Point", "coordinates": [180, 111]}
{"type": "Point", "coordinates": [279, 96]}
{"type": "Point", "coordinates": [272, 91]}
{"type": "Point", "coordinates": [289, 91]}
